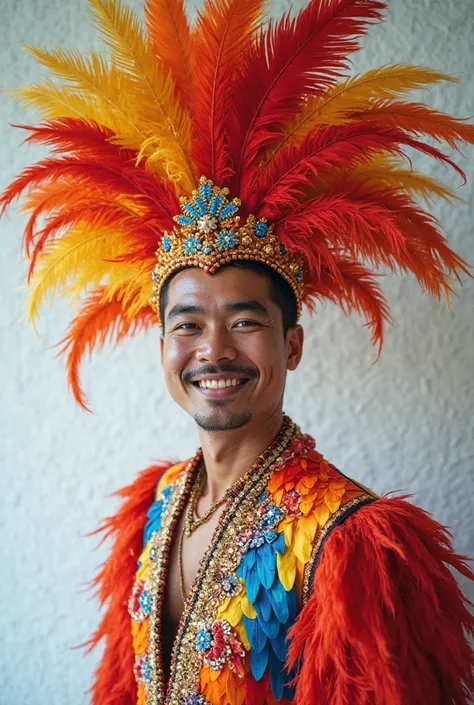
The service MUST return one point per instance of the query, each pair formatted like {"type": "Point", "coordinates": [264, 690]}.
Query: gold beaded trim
{"type": "Point", "coordinates": [211, 235]}
{"type": "Point", "coordinates": [323, 533]}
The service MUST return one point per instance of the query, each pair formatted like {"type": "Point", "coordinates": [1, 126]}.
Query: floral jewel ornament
{"type": "Point", "coordinates": [211, 235]}
{"type": "Point", "coordinates": [219, 645]}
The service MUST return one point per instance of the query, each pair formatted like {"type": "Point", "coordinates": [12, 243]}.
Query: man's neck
{"type": "Point", "coordinates": [228, 455]}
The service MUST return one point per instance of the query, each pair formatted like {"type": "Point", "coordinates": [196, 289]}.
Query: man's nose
{"type": "Point", "coordinates": [216, 344]}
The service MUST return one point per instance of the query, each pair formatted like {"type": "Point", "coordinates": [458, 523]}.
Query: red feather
{"type": "Point", "coordinates": [354, 288]}
{"type": "Point", "coordinates": [221, 38]}
{"type": "Point", "coordinates": [384, 625]}
{"type": "Point", "coordinates": [426, 253]}
{"type": "Point", "coordinates": [97, 321]}
{"type": "Point", "coordinates": [293, 58]}
{"type": "Point", "coordinates": [284, 179]}
{"type": "Point", "coordinates": [114, 679]}
{"type": "Point", "coordinates": [95, 160]}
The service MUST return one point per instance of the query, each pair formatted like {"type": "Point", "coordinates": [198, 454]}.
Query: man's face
{"type": "Point", "coordinates": [224, 354]}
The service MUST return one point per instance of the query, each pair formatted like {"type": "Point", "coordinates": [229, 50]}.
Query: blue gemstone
{"type": "Point", "coordinates": [191, 211]}
{"type": "Point", "coordinates": [203, 640]}
{"type": "Point", "coordinates": [283, 250]}
{"type": "Point", "coordinates": [227, 211]}
{"type": "Point", "coordinates": [299, 274]}
{"type": "Point", "coordinates": [226, 240]}
{"type": "Point", "coordinates": [184, 220]}
{"type": "Point", "coordinates": [206, 191]}
{"type": "Point", "coordinates": [145, 602]}
{"type": "Point", "coordinates": [271, 536]}
{"type": "Point", "coordinates": [191, 245]}
{"type": "Point", "coordinates": [200, 205]}
{"type": "Point", "coordinates": [216, 203]}
{"type": "Point", "coordinates": [207, 249]}
{"type": "Point", "coordinates": [260, 229]}
{"type": "Point", "coordinates": [165, 246]}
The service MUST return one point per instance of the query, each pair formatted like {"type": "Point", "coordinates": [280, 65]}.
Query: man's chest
{"type": "Point", "coordinates": [185, 559]}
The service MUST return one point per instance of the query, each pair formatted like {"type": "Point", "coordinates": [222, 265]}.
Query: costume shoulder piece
{"type": "Point", "coordinates": [387, 623]}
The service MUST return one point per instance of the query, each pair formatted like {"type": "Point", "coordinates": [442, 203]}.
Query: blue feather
{"type": "Point", "coordinates": [263, 605]}
{"type": "Point", "coordinates": [280, 645]}
{"type": "Point", "coordinates": [259, 662]}
{"type": "Point", "coordinates": [266, 565]}
{"type": "Point", "coordinates": [256, 636]}
{"type": "Point", "coordinates": [279, 544]}
{"type": "Point", "coordinates": [280, 601]}
{"type": "Point", "coordinates": [252, 584]}
{"type": "Point", "coordinates": [271, 626]}
{"type": "Point", "coordinates": [277, 676]}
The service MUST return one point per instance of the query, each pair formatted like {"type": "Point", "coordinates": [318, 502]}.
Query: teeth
{"type": "Point", "coordinates": [218, 384]}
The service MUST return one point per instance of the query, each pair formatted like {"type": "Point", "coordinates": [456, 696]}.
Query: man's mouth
{"type": "Point", "coordinates": [220, 387]}
{"type": "Point", "coordinates": [219, 383]}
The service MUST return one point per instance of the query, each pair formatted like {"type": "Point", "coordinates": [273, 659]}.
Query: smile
{"type": "Point", "coordinates": [219, 383]}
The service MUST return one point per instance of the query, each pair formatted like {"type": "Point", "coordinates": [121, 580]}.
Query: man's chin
{"type": "Point", "coordinates": [221, 420]}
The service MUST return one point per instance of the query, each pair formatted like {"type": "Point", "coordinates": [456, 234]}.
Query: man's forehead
{"type": "Point", "coordinates": [225, 285]}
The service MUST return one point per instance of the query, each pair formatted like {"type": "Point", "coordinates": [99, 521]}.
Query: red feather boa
{"type": "Point", "coordinates": [114, 682]}
{"type": "Point", "coordinates": [387, 623]}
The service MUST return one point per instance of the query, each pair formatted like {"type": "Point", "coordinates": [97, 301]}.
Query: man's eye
{"type": "Point", "coordinates": [246, 324]}
{"type": "Point", "coordinates": [186, 326]}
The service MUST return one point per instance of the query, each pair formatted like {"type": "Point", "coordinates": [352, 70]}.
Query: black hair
{"type": "Point", "coordinates": [281, 292]}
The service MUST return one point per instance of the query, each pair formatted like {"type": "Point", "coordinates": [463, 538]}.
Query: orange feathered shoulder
{"type": "Point", "coordinates": [114, 682]}
{"type": "Point", "coordinates": [387, 623]}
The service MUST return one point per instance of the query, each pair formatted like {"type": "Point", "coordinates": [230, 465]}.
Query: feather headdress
{"type": "Point", "coordinates": [264, 111]}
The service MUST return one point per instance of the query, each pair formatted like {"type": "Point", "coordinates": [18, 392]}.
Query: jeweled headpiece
{"type": "Point", "coordinates": [211, 235]}
{"type": "Point", "coordinates": [312, 161]}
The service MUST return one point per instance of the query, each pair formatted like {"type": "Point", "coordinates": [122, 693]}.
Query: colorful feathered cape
{"type": "Point", "coordinates": [335, 596]}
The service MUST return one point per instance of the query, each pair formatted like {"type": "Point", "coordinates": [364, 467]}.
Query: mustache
{"type": "Point", "coordinates": [191, 375]}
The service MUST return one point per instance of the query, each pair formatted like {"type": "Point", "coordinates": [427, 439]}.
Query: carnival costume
{"type": "Point", "coordinates": [244, 140]}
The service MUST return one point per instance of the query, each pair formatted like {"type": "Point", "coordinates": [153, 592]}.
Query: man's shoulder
{"type": "Point", "coordinates": [168, 478]}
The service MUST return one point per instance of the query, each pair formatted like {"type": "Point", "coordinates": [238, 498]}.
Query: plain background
{"type": "Point", "coordinates": [405, 423]}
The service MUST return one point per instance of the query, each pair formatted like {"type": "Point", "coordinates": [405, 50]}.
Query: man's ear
{"type": "Point", "coordinates": [294, 346]}
{"type": "Point", "coordinates": [162, 342]}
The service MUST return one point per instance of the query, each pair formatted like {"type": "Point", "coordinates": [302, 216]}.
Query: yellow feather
{"type": "Point", "coordinates": [354, 93]}
{"type": "Point", "coordinates": [241, 633]}
{"type": "Point", "coordinates": [389, 171]}
{"type": "Point", "coordinates": [169, 135]}
{"type": "Point", "coordinates": [66, 257]}
{"type": "Point", "coordinates": [100, 82]}
{"type": "Point", "coordinates": [247, 608]}
{"type": "Point", "coordinates": [286, 566]}
{"type": "Point", "coordinates": [52, 101]}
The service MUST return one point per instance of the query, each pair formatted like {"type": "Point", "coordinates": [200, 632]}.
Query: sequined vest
{"type": "Point", "coordinates": [253, 581]}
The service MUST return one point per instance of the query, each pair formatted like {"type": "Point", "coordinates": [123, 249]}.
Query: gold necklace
{"type": "Point", "coordinates": [180, 566]}
{"type": "Point", "coordinates": [190, 523]}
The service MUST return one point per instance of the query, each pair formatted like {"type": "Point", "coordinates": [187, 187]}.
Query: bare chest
{"type": "Point", "coordinates": [186, 557]}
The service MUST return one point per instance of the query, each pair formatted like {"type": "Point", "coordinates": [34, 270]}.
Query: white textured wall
{"type": "Point", "coordinates": [404, 423]}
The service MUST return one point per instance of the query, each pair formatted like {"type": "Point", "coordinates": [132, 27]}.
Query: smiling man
{"type": "Point", "coordinates": [255, 572]}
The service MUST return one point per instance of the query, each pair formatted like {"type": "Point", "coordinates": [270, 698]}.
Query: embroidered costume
{"type": "Point", "coordinates": [240, 140]}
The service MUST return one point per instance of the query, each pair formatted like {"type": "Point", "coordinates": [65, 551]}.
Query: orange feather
{"type": "Point", "coordinates": [169, 32]}
{"type": "Point", "coordinates": [98, 320]}
{"type": "Point", "coordinates": [417, 119]}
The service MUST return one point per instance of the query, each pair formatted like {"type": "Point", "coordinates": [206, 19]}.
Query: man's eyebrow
{"type": "Point", "coordinates": [183, 309]}
{"type": "Point", "coordinates": [247, 305]}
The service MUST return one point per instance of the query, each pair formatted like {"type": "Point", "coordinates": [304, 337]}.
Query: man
{"type": "Point", "coordinates": [255, 572]}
